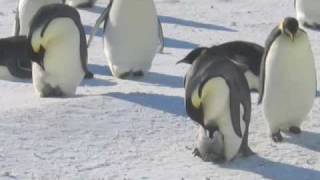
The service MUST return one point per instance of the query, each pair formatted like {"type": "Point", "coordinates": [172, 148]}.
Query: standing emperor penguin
{"type": "Point", "coordinates": [80, 3]}
{"type": "Point", "coordinates": [57, 36]}
{"type": "Point", "coordinates": [132, 33]}
{"type": "Point", "coordinates": [308, 13]}
{"type": "Point", "coordinates": [288, 78]}
{"type": "Point", "coordinates": [25, 12]}
{"type": "Point", "coordinates": [217, 96]}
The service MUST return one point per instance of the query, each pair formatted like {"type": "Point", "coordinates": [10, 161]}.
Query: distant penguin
{"type": "Point", "coordinates": [308, 13]}
{"type": "Point", "coordinates": [132, 34]}
{"type": "Point", "coordinates": [80, 3]}
{"type": "Point", "coordinates": [25, 12]}
{"type": "Point", "coordinates": [57, 36]}
{"type": "Point", "coordinates": [217, 96]}
{"type": "Point", "coordinates": [15, 53]}
{"type": "Point", "coordinates": [288, 78]}
{"type": "Point", "coordinates": [246, 55]}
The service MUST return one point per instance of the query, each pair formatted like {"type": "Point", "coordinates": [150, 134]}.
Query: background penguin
{"type": "Point", "coordinates": [25, 12]}
{"type": "Point", "coordinates": [308, 13]}
{"type": "Point", "coordinates": [80, 3]}
{"type": "Point", "coordinates": [246, 55]}
{"type": "Point", "coordinates": [129, 44]}
{"type": "Point", "coordinates": [15, 53]}
{"type": "Point", "coordinates": [288, 78]}
{"type": "Point", "coordinates": [56, 35]}
{"type": "Point", "coordinates": [218, 98]}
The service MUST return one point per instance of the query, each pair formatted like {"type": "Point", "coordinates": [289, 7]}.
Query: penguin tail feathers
{"type": "Point", "coordinates": [102, 18]}
{"type": "Point", "coordinates": [193, 55]}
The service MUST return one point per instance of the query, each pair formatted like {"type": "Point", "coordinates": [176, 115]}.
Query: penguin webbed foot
{"type": "Point", "coordinates": [138, 73]}
{"type": "Point", "coordinates": [295, 130]}
{"type": "Point", "coordinates": [89, 75]}
{"type": "Point", "coordinates": [48, 91]}
{"type": "Point", "coordinates": [277, 137]}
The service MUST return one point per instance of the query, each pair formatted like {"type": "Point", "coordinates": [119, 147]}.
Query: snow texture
{"type": "Point", "coordinates": [138, 129]}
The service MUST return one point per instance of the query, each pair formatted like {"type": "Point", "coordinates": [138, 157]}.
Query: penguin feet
{"type": "Point", "coordinates": [294, 130]}
{"type": "Point", "coordinates": [138, 73]}
{"type": "Point", "coordinates": [88, 75]}
{"type": "Point", "coordinates": [124, 75]}
{"type": "Point", "coordinates": [277, 137]}
{"type": "Point", "coordinates": [48, 91]}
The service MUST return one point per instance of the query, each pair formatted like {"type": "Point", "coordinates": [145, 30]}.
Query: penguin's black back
{"type": "Point", "coordinates": [48, 13]}
{"type": "Point", "coordinates": [209, 66]}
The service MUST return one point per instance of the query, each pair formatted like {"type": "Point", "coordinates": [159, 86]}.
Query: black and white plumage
{"type": "Point", "coordinates": [217, 96]}
{"type": "Point", "coordinates": [57, 35]}
{"type": "Point", "coordinates": [288, 78]}
{"type": "Point", "coordinates": [129, 44]}
{"type": "Point", "coordinates": [15, 53]}
{"type": "Point", "coordinates": [26, 11]}
{"type": "Point", "coordinates": [308, 13]}
{"type": "Point", "coordinates": [246, 55]}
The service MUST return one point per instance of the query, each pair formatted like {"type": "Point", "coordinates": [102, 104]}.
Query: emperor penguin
{"type": "Point", "coordinates": [246, 55]}
{"type": "Point", "coordinates": [288, 78]}
{"type": "Point", "coordinates": [132, 36]}
{"type": "Point", "coordinates": [308, 13]}
{"type": "Point", "coordinates": [217, 97]}
{"type": "Point", "coordinates": [57, 36]}
{"type": "Point", "coordinates": [80, 3]}
{"type": "Point", "coordinates": [15, 53]}
{"type": "Point", "coordinates": [25, 12]}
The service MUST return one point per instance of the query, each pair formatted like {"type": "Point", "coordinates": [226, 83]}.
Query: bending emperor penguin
{"type": "Point", "coordinates": [80, 3]}
{"type": "Point", "coordinates": [246, 55]}
{"type": "Point", "coordinates": [217, 96]}
{"type": "Point", "coordinates": [132, 33]}
{"type": "Point", "coordinates": [15, 53]}
{"type": "Point", "coordinates": [58, 38]}
{"type": "Point", "coordinates": [25, 12]}
{"type": "Point", "coordinates": [288, 78]}
{"type": "Point", "coordinates": [308, 13]}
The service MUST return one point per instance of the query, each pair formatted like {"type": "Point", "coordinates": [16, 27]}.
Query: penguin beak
{"type": "Point", "coordinates": [38, 57]}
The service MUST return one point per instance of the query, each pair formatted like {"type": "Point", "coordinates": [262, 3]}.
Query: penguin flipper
{"type": "Point", "coordinates": [271, 38]}
{"type": "Point", "coordinates": [193, 55]}
{"type": "Point", "coordinates": [17, 24]}
{"type": "Point", "coordinates": [161, 38]}
{"type": "Point", "coordinates": [103, 18]}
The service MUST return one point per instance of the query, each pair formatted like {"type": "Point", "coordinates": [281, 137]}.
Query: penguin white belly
{"type": "Point", "coordinates": [131, 36]}
{"type": "Point", "coordinates": [27, 9]}
{"type": "Point", "coordinates": [290, 82]}
{"type": "Point", "coordinates": [5, 74]}
{"type": "Point", "coordinates": [216, 105]}
{"type": "Point", "coordinates": [308, 11]}
{"type": "Point", "coordinates": [62, 61]}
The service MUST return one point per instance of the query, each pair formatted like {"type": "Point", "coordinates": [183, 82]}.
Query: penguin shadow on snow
{"type": "Point", "coordinates": [94, 9]}
{"type": "Point", "coordinates": [272, 170]}
{"type": "Point", "coordinates": [307, 139]}
{"type": "Point", "coordinates": [170, 104]}
{"type": "Point", "coordinates": [88, 30]}
{"type": "Point", "coordinates": [159, 79]}
{"type": "Point", "coordinates": [194, 24]}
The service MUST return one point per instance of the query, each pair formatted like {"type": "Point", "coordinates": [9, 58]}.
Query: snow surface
{"type": "Point", "coordinates": [138, 129]}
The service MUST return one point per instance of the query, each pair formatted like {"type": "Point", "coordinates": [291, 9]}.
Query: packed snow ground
{"type": "Point", "coordinates": [138, 129]}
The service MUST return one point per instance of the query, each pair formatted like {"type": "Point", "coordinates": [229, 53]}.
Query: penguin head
{"type": "Point", "coordinates": [289, 26]}
{"type": "Point", "coordinates": [193, 55]}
